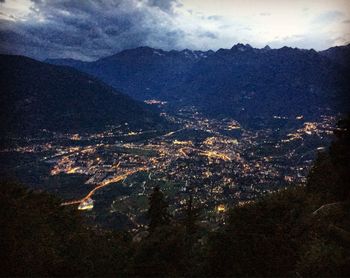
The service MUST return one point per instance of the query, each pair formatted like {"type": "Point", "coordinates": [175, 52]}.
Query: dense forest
{"type": "Point", "coordinates": [301, 231]}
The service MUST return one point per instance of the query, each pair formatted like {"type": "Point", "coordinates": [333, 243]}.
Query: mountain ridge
{"type": "Point", "coordinates": [241, 82]}
{"type": "Point", "coordinates": [266, 47]}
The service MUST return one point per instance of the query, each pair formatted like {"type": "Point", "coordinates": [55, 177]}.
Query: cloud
{"type": "Point", "coordinates": [208, 34]}
{"type": "Point", "coordinates": [329, 17]}
{"type": "Point", "coordinates": [339, 41]}
{"type": "Point", "coordinates": [215, 17]}
{"type": "Point", "coordinates": [90, 29]}
{"type": "Point", "coordinates": [164, 5]}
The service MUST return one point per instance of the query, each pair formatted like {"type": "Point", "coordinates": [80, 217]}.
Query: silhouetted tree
{"type": "Point", "coordinates": [158, 210]}
{"type": "Point", "coordinates": [190, 223]}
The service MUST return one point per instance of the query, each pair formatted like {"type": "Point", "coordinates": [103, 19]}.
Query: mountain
{"type": "Point", "coordinates": [39, 96]}
{"type": "Point", "coordinates": [247, 83]}
{"type": "Point", "coordinates": [142, 72]}
{"type": "Point", "coordinates": [242, 82]}
{"type": "Point", "coordinates": [338, 54]}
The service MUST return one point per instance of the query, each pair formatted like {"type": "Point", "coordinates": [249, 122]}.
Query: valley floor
{"type": "Point", "coordinates": [111, 174]}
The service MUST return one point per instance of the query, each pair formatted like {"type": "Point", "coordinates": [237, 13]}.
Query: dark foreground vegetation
{"type": "Point", "coordinates": [301, 231]}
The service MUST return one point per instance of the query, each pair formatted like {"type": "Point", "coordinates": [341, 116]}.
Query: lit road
{"type": "Point", "coordinates": [103, 184]}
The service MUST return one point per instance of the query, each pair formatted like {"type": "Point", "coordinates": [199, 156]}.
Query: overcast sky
{"type": "Point", "coordinates": [88, 30]}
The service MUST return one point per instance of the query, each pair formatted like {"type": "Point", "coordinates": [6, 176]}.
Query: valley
{"type": "Point", "coordinates": [109, 175]}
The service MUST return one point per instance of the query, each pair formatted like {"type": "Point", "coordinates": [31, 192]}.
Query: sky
{"type": "Point", "coordinates": [91, 29]}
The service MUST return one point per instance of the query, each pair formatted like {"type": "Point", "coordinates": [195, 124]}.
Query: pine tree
{"type": "Point", "coordinates": [158, 210]}
{"type": "Point", "coordinates": [191, 228]}
{"type": "Point", "coordinates": [192, 214]}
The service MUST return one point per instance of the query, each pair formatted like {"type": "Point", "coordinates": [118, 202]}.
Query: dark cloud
{"type": "Point", "coordinates": [164, 5]}
{"type": "Point", "coordinates": [90, 29]}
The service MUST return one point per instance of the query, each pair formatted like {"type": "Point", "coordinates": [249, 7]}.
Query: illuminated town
{"type": "Point", "coordinates": [218, 161]}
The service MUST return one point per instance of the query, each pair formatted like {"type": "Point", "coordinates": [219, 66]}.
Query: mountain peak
{"type": "Point", "coordinates": [241, 47]}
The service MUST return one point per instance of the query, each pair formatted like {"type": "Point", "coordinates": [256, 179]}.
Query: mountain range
{"type": "Point", "coordinates": [38, 96]}
{"type": "Point", "coordinates": [242, 82]}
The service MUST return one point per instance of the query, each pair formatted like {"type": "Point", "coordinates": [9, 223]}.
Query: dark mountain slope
{"type": "Point", "coordinates": [338, 54]}
{"type": "Point", "coordinates": [247, 83]}
{"type": "Point", "coordinates": [38, 96]}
